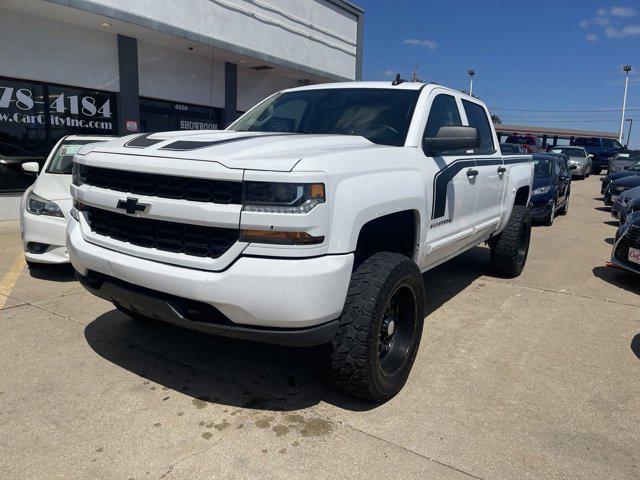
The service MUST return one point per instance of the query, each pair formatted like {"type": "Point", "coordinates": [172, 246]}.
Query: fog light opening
{"type": "Point", "coordinates": [35, 247]}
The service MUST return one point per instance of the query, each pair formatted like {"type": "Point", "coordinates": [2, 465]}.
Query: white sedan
{"type": "Point", "coordinates": [45, 207]}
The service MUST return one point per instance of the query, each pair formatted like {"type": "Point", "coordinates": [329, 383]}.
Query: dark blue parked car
{"type": "Point", "coordinates": [626, 247]}
{"type": "Point", "coordinates": [551, 188]}
{"type": "Point", "coordinates": [628, 172]}
{"type": "Point", "coordinates": [602, 149]}
{"type": "Point", "coordinates": [616, 187]}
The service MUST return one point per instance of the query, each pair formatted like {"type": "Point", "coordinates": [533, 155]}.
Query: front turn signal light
{"type": "Point", "coordinates": [279, 237]}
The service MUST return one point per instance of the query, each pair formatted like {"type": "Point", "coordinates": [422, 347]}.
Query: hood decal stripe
{"type": "Point", "coordinates": [185, 145]}
{"type": "Point", "coordinates": [142, 141]}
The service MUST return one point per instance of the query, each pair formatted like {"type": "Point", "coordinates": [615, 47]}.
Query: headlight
{"type": "Point", "coordinates": [272, 197]}
{"type": "Point", "coordinates": [39, 206]}
{"type": "Point", "coordinates": [542, 190]}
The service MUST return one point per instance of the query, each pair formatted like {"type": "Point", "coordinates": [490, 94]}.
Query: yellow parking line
{"type": "Point", "coordinates": [10, 278]}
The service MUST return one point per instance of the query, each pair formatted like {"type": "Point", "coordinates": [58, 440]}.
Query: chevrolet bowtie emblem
{"type": "Point", "coordinates": [132, 206]}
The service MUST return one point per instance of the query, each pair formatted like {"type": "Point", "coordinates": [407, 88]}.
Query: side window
{"type": "Point", "coordinates": [617, 145]}
{"type": "Point", "coordinates": [478, 118]}
{"type": "Point", "coordinates": [607, 143]}
{"type": "Point", "coordinates": [444, 112]}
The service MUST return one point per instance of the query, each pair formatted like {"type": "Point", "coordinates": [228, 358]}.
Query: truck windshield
{"type": "Point", "coordinates": [62, 160]}
{"type": "Point", "coordinates": [381, 115]}
{"type": "Point", "coordinates": [521, 140]}
{"type": "Point", "coordinates": [587, 142]}
{"type": "Point", "coordinates": [571, 152]}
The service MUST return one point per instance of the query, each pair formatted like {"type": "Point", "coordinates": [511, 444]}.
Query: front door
{"type": "Point", "coordinates": [453, 194]}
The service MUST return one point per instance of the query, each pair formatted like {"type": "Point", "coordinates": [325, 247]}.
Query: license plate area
{"type": "Point", "coordinates": [634, 255]}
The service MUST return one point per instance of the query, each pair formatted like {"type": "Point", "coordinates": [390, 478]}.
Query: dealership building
{"type": "Point", "coordinates": [114, 67]}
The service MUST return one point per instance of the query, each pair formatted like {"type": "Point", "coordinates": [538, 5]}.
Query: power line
{"type": "Point", "coordinates": [562, 111]}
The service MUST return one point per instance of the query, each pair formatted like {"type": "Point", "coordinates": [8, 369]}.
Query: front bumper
{"type": "Point", "coordinates": [580, 170]}
{"type": "Point", "coordinates": [47, 230]}
{"type": "Point", "coordinates": [541, 209]}
{"type": "Point", "coordinates": [252, 292]}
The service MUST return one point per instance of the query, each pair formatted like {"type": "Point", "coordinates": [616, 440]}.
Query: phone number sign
{"type": "Point", "coordinates": [62, 108]}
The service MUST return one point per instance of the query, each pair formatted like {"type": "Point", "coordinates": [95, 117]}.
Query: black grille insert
{"type": "Point", "coordinates": [175, 237]}
{"type": "Point", "coordinates": [630, 239]}
{"type": "Point", "coordinates": [164, 186]}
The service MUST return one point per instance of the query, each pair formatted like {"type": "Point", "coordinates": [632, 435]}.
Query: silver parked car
{"type": "Point", "coordinates": [579, 157]}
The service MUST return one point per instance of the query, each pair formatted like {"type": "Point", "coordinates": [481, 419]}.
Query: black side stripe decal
{"type": "Point", "coordinates": [440, 182]}
{"type": "Point", "coordinates": [142, 141]}
{"type": "Point", "coordinates": [444, 176]}
{"type": "Point", "coordinates": [184, 145]}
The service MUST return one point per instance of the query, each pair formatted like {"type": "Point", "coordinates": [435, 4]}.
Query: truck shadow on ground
{"type": "Point", "coordinates": [235, 373]}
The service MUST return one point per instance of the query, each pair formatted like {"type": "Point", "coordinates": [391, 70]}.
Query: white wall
{"type": "Point", "coordinates": [254, 86]}
{"type": "Point", "coordinates": [280, 28]}
{"type": "Point", "coordinates": [180, 76]}
{"type": "Point", "coordinates": [36, 48]}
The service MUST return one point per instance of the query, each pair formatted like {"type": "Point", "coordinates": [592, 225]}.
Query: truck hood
{"type": "Point", "coordinates": [239, 150]}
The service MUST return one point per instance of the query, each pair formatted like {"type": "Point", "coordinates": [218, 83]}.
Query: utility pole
{"type": "Point", "coordinates": [414, 77]}
{"type": "Point", "coordinates": [471, 73]}
{"type": "Point", "coordinates": [626, 69]}
{"type": "Point", "coordinates": [630, 120]}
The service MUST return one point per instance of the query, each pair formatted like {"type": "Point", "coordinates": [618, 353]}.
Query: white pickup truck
{"type": "Point", "coordinates": [307, 222]}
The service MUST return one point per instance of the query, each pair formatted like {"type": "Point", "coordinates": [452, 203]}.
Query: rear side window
{"type": "Point", "coordinates": [443, 113]}
{"type": "Point", "coordinates": [587, 142]}
{"type": "Point", "coordinates": [478, 118]}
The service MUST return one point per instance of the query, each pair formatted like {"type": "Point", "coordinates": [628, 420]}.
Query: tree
{"type": "Point", "coordinates": [495, 119]}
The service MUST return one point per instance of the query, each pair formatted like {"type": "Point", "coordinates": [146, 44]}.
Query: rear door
{"type": "Point", "coordinates": [491, 178]}
{"type": "Point", "coordinates": [454, 185]}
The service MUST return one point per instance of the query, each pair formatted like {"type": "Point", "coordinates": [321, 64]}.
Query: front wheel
{"type": "Point", "coordinates": [565, 207]}
{"type": "Point", "coordinates": [510, 248]}
{"type": "Point", "coordinates": [380, 328]}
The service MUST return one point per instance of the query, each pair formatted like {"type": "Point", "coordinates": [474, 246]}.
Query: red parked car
{"type": "Point", "coordinates": [530, 143]}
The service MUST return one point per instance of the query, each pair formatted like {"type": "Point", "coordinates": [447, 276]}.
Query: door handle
{"type": "Point", "coordinates": [502, 169]}
{"type": "Point", "coordinates": [472, 173]}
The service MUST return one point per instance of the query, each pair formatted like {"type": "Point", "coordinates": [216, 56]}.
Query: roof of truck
{"type": "Point", "coordinates": [400, 86]}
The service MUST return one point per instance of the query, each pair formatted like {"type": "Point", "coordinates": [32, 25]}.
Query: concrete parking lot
{"type": "Point", "coordinates": [537, 377]}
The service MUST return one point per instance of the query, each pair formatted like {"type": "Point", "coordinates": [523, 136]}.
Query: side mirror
{"type": "Point", "coordinates": [31, 167]}
{"type": "Point", "coordinates": [572, 167]}
{"type": "Point", "coordinates": [627, 167]}
{"type": "Point", "coordinates": [451, 138]}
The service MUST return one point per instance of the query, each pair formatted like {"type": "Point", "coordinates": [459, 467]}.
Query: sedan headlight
{"type": "Point", "coordinates": [276, 197]}
{"type": "Point", "coordinates": [39, 206]}
{"type": "Point", "coordinates": [542, 190]}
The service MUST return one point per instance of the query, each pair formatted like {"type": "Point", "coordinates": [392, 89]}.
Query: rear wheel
{"type": "Point", "coordinates": [380, 328]}
{"type": "Point", "coordinates": [596, 170]}
{"type": "Point", "coordinates": [510, 248]}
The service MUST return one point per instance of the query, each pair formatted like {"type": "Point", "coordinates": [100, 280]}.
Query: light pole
{"type": "Point", "coordinates": [471, 73]}
{"type": "Point", "coordinates": [626, 69]}
{"type": "Point", "coordinates": [630, 120]}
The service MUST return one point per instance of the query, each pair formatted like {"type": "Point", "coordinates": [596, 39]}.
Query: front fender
{"type": "Point", "coordinates": [520, 175]}
{"type": "Point", "coordinates": [362, 198]}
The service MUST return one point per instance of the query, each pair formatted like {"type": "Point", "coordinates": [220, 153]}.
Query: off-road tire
{"type": "Point", "coordinates": [354, 365]}
{"type": "Point", "coordinates": [506, 256]}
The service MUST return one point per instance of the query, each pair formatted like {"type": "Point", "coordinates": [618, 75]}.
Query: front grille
{"type": "Point", "coordinates": [164, 186]}
{"type": "Point", "coordinates": [630, 239]}
{"type": "Point", "coordinates": [174, 237]}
